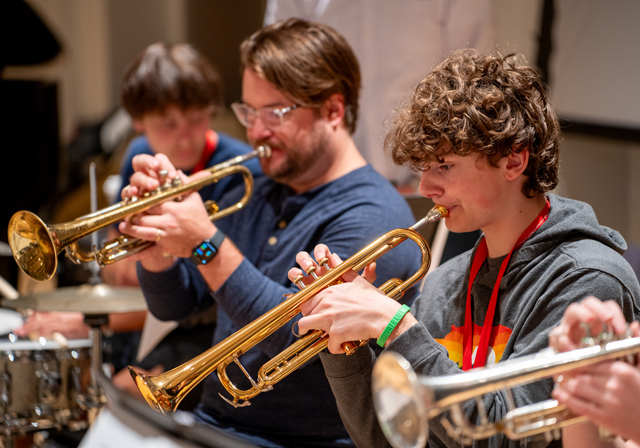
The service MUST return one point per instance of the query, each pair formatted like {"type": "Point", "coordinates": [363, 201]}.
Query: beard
{"type": "Point", "coordinates": [299, 161]}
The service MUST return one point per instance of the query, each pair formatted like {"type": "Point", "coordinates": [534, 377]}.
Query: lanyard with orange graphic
{"type": "Point", "coordinates": [209, 148]}
{"type": "Point", "coordinates": [478, 260]}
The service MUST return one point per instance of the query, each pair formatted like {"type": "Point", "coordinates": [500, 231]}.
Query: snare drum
{"type": "Point", "coordinates": [42, 385]}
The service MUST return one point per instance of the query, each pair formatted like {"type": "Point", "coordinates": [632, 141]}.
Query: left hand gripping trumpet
{"type": "Point", "coordinates": [165, 391]}
{"type": "Point", "coordinates": [36, 246]}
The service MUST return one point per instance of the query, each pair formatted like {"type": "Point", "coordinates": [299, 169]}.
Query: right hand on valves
{"type": "Point", "coordinates": [351, 311]}
{"type": "Point", "coordinates": [175, 226]}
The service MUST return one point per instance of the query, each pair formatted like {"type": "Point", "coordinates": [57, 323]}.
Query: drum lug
{"type": "Point", "coordinates": [50, 382]}
{"type": "Point", "coordinates": [5, 389]}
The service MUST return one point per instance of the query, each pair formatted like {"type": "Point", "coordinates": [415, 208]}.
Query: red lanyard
{"type": "Point", "coordinates": [209, 148]}
{"type": "Point", "coordinates": [478, 260]}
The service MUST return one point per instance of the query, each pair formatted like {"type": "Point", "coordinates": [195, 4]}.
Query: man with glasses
{"type": "Point", "coordinates": [299, 96]}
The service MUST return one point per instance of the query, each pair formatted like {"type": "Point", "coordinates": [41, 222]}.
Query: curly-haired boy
{"type": "Point", "coordinates": [486, 138]}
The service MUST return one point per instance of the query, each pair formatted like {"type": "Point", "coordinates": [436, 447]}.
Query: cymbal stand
{"type": "Point", "coordinates": [95, 321]}
{"type": "Point", "coordinates": [95, 398]}
{"type": "Point", "coordinates": [93, 266]}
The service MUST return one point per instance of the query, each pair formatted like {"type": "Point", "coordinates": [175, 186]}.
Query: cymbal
{"type": "Point", "coordinates": [86, 299]}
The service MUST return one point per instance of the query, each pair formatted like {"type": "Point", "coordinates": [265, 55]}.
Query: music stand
{"type": "Point", "coordinates": [127, 421]}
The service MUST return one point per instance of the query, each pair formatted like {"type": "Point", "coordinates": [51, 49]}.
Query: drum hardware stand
{"type": "Point", "coordinates": [96, 322]}
{"type": "Point", "coordinates": [96, 398]}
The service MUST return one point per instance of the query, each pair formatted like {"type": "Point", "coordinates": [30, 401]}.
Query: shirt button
{"type": "Point", "coordinates": [282, 224]}
{"type": "Point", "coordinates": [272, 240]}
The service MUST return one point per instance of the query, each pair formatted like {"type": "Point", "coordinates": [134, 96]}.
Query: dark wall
{"type": "Point", "coordinates": [30, 148]}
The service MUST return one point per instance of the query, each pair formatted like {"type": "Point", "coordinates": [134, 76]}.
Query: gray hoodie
{"type": "Point", "coordinates": [567, 259]}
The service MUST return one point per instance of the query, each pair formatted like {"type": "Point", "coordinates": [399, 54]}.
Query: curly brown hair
{"type": "Point", "coordinates": [485, 104]}
{"type": "Point", "coordinates": [165, 75]}
{"type": "Point", "coordinates": [307, 61]}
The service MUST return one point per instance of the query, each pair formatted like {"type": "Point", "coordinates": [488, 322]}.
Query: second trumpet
{"type": "Point", "coordinates": [165, 391]}
{"type": "Point", "coordinates": [35, 245]}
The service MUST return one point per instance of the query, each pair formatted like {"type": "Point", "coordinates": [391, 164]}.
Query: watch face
{"type": "Point", "coordinates": [204, 252]}
{"type": "Point", "coordinates": [207, 250]}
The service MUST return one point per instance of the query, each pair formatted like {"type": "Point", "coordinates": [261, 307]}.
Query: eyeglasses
{"type": "Point", "coordinates": [272, 118]}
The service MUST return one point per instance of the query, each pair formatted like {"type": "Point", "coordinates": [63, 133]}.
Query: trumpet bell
{"type": "Point", "coordinates": [402, 417]}
{"type": "Point", "coordinates": [33, 246]}
{"type": "Point", "coordinates": [150, 392]}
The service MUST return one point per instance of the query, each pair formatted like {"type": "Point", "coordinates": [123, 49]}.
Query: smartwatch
{"type": "Point", "coordinates": [204, 252]}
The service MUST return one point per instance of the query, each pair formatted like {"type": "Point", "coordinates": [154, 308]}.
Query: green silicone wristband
{"type": "Point", "coordinates": [404, 309]}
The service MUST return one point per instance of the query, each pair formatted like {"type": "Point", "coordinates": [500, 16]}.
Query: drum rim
{"type": "Point", "coordinates": [9, 346]}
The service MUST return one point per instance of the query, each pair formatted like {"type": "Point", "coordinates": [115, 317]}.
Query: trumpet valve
{"type": "Point", "coordinates": [311, 271]}
{"type": "Point", "coordinates": [299, 281]}
{"type": "Point", "coordinates": [324, 262]}
{"type": "Point", "coordinates": [163, 178]}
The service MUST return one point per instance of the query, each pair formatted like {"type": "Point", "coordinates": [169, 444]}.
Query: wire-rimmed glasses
{"type": "Point", "coordinates": [271, 117]}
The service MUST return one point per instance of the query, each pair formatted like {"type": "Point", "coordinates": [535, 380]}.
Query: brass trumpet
{"type": "Point", "coordinates": [35, 245]}
{"type": "Point", "coordinates": [405, 401]}
{"type": "Point", "coordinates": [165, 391]}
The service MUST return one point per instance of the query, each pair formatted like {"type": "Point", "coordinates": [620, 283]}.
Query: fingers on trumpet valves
{"type": "Point", "coordinates": [321, 252]}
{"type": "Point", "coordinates": [605, 335]}
{"type": "Point", "coordinates": [166, 182]}
{"type": "Point", "coordinates": [295, 275]}
{"type": "Point", "coordinates": [304, 260]}
{"type": "Point", "coordinates": [299, 280]}
{"type": "Point", "coordinates": [554, 335]}
{"type": "Point", "coordinates": [587, 339]}
{"type": "Point", "coordinates": [162, 178]}
{"type": "Point", "coordinates": [129, 194]}
{"type": "Point", "coordinates": [324, 262]}
{"type": "Point", "coordinates": [607, 332]}
{"type": "Point", "coordinates": [309, 269]}
{"type": "Point", "coordinates": [307, 266]}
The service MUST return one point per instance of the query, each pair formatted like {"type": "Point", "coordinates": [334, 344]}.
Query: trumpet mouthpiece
{"type": "Point", "coordinates": [265, 151]}
{"type": "Point", "coordinates": [438, 212]}
{"type": "Point", "coordinates": [435, 214]}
